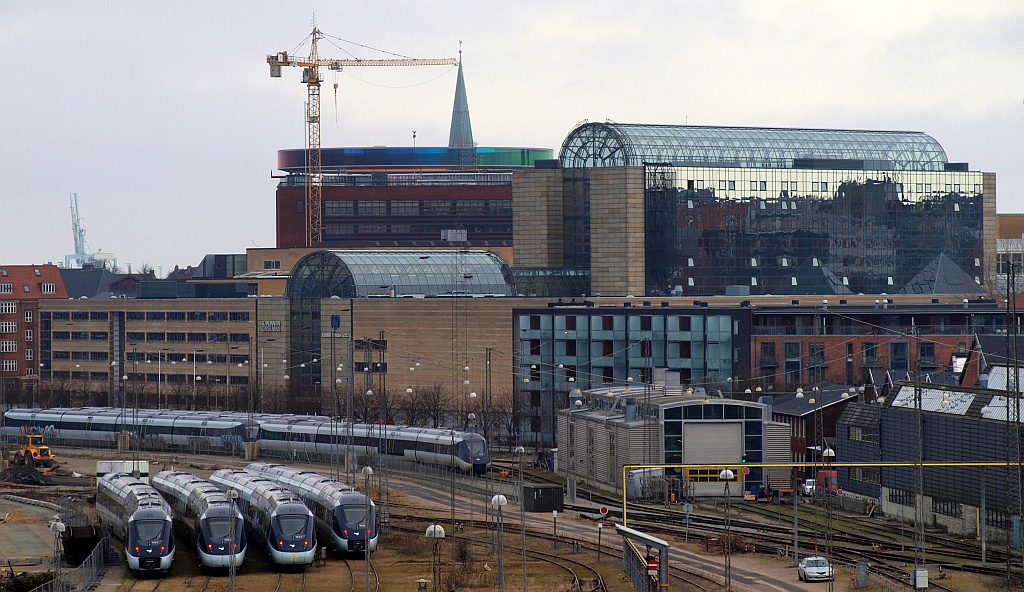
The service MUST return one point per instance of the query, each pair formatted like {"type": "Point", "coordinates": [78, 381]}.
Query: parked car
{"type": "Point", "coordinates": [814, 568]}
{"type": "Point", "coordinates": [808, 488]}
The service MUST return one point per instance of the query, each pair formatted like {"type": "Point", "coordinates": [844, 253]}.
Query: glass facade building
{"type": "Point", "coordinates": [560, 349]}
{"type": "Point", "coordinates": [765, 211]}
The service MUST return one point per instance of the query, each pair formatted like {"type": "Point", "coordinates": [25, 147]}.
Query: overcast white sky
{"type": "Point", "coordinates": [164, 120]}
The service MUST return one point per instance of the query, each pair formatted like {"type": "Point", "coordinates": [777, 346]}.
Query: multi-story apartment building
{"type": "Point", "coordinates": [22, 288]}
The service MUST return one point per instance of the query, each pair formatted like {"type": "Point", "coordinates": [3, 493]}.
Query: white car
{"type": "Point", "coordinates": [814, 568]}
{"type": "Point", "coordinates": [809, 487]}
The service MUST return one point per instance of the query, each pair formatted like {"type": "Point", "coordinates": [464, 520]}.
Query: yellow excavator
{"type": "Point", "coordinates": [34, 452]}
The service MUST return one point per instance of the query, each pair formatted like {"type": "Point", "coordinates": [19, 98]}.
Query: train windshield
{"type": "Point", "coordinates": [472, 446]}
{"type": "Point", "coordinates": [354, 514]}
{"type": "Point", "coordinates": [291, 524]}
{"type": "Point", "coordinates": [220, 528]}
{"type": "Point", "coordinates": [149, 530]}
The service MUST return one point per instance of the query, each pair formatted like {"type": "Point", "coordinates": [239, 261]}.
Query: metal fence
{"type": "Point", "coordinates": [83, 577]}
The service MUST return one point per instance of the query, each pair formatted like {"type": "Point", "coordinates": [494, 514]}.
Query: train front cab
{"type": "Point", "coordinates": [150, 544]}
{"type": "Point", "coordinates": [352, 532]}
{"type": "Point", "coordinates": [291, 538]}
{"type": "Point", "coordinates": [473, 452]}
{"type": "Point", "coordinates": [214, 540]}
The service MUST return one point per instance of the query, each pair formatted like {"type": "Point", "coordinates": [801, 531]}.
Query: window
{"type": "Point", "coordinates": [218, 317]}
{"type": "Point", "coordinates": [732, 185]}
{"type": "Point", "coordinates": [753, 185]}
{"type": "Point", "coordinates": [176, 316]}
{"type": "Point", "coordinates": [8, 346]}
{"type": "Point", "coordinates": [28, 334]}
{"type": "Point", "coordinates": [8, 327]}
{"type": "Point", "coordinates": [240, 317]}
{"type": "Point", "coordinates": [863, 434]}
{"type": "Point", "coordinates": [272, 264]}
{"type": "Point", "coordinates": [29, 353]}
{"type": "Point", "coordinates": [10, 365]}
{"type": "Point", "coordinates": [135, 316]}
{"type": "Point", "coordinates": [48, 287]}
{"type": "Point", "coordinates": [6, 288]}
{"type": "Point", "coordinates": [824, 185]}
{"type": "Point", "coordinates": [901, 497]}
{"type": "Point", "coordinates": [865, 475]}
{"type": "Point", "coordinates": [156, 316]}
{"type": "Point", "coordinates": [764, 185]}
{"type": "Point", "coordinates": [98, 316]}
{"type": "Point", "coordinates": [8, 307]}
{"type": "Point", "coordinates": [28, 316]}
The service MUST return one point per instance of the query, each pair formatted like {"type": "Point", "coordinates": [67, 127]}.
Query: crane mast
{"type": "Point", "coordinates": [311, 78]}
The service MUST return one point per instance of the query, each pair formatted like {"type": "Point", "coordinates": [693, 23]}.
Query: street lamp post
{"type": "Point", "coordinates": [499, 501]}
{"type": "Point", "coordinates": [727, 475]}
{"type": "Point", "coordinates": [522, 510]}
{"type": "Point", "coordinates": [435, 533]}
{"type": "Point", "coordinates": [367, 474]}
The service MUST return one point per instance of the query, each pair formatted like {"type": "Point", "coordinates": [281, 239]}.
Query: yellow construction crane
{"type": "Point", "coordinates": [311, 78]}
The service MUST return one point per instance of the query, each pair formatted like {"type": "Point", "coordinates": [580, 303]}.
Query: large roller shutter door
{"type": "Point", "coordinates": [713, 443]}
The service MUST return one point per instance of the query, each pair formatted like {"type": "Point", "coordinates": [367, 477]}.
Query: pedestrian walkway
{"type": "Point", "coordinates": [113, 578]}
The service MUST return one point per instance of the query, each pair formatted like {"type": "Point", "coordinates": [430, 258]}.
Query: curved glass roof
{"type": "Point", "coordinates": [362, 274]}
{"type": "Point", "coordinates": [627, 144]}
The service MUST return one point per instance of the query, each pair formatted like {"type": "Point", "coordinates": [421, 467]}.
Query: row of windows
{"type": "Point", "coordinates": [416, 208]}
{"type": "Point", "coordinates": [866, 475]}
{"type": "Point", "coordinates": [822, 186]}
{"type": "Point", "coordinates": [152, 316]}
{"type": "Point", "coordinates": [153, 336]}
{"type": "Point", "coordinates": [862, 434]}
{"type": "Point", "coordinates": [96, 315]}
{"type": "Point", "coordinates": [44, 287]}
{"type": "Point", "coordinates": [350, 229]}
{"type": "Point", "coordinates": [212, 380]}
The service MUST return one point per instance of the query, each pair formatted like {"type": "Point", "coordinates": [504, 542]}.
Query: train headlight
{"type": "Point", "coordinates": [209, 546]}
{"type": "Point", "coordinates": [136, 548]}
{"type": "Point", "coordinates": [280, 544]}
{"type": "Point", "coordinates": [344, 531]}
{"type": "Point", "coordinates": [305, 543]}
{"type": "Point", "coordinates": [162, 548]}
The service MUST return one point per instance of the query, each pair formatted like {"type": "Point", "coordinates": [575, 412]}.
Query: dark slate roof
{"type": "Point", "coordinates": [90, 283]}
{"type": "Point", "coordinates": [942, 276]}
{"type": "Point", "coordinates": [812, 277]}
{"type": "Point", "coordinates": [830, 394]}
{"type": "Point", "coordinates": [865, 415]}
{"type": "Point", "coordinates": [994, 349]}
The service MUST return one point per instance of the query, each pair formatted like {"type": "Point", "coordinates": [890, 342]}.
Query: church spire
{"type": "Point", "coordinates": [461, 135]}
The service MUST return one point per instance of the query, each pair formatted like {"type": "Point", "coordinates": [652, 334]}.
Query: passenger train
{"type": "Point", "coordinates": [343, 515]}
{"type": "Point", "coordinates": [284, 436]}
{"type": "Point", "coordinates": [137, 515]}
{"type": "Point", "coordinates": [205, 515]}
{"type": "Point", "coordinates": [275, 516]}
{"type": "Point", "coordinates": [291, 438]}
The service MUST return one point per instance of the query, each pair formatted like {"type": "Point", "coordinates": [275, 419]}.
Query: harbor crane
{"type": "Point", "coordinates": [311, 78]}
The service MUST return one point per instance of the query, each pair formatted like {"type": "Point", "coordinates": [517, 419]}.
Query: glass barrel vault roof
{"type": "Point", "coordinates": [361, 274]}
{"type": "Point", "coordinates": [627, 144]}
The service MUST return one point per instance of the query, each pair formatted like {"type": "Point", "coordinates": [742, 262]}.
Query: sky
{"type": "Point", "coordinates": [163, 118]}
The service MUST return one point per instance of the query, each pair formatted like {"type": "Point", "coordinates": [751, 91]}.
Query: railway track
{"type": "Point", "coordinates": [291, 582]}
{"type": "Point", "coordinates": [372, 575]}
{"type": "Point", "coordinates": [144, 585]}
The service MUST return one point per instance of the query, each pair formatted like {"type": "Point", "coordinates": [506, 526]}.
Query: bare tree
{"type": "Point", "coordinates": [436, 401]}
{"type": "Point", "coordinates": [410, 404]}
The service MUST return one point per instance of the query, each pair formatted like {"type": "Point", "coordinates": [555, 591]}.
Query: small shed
{"type": "Point", "coordinates": [542, 497]}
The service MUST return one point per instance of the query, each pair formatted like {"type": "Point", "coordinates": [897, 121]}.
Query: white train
{"type": "Point", "coordinates": [137, 515]}
{"type": "Point", "coordinates": [312, 437]}
{"type": "Point", "coordinates": [275, 516]}
{"type": "Point", "coordinates": [342, 514]}
{"type": "Point", "coordinates": [292, 438]}
{"type": "Point", "coordinates": [205, 515]}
